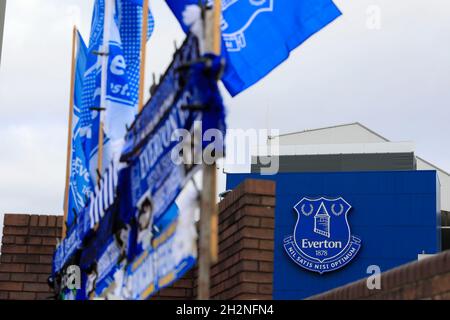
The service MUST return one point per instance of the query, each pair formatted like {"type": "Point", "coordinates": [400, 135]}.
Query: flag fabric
{"type": "Point", "coordinates": [80, 182]}
{"type": "Point", "coordinates": [259, 35]}
{"type": "Point", "coordinates": [124, 23]}
{"type": "Point", "coordinates": [104, 195]}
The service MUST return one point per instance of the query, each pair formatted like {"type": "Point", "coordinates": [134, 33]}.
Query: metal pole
{"type": "Point", "coordinates": [208, 241]}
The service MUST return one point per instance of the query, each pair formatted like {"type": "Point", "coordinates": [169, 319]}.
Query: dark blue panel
{"type": "Point", "coordinates": [394, 214]}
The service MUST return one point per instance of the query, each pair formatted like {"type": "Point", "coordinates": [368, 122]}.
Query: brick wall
{"type": "Point", "coordinates": [246, 239]}
{"type": "Point", "coordinates": [425, 279]}
{"type": "Point", "coordinates": [26, 255]}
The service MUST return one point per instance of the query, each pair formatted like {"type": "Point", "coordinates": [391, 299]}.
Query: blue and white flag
{"type": "Point", "coordinates": [123, 21]}
{"type": "Point", "coordinates": [258, 35]}
{"type": "Point", "coordinates": [80, 183]}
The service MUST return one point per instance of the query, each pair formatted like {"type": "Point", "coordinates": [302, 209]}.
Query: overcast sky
{"type": "Point", "coordinates": [395, 80]}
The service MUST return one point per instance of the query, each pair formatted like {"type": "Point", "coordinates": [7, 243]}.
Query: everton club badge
{"type": "Point", "coordinates": [322, 241]}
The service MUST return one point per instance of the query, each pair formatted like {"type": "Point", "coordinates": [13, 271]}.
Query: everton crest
{"type": "Point", "coordinates": [322, 240]}
{"type": "Point", "coordinates": [239, 18]}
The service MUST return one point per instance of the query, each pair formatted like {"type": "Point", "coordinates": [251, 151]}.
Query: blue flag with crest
{"type": "Point", "coordinates": [123, 66]}
{"type": "Point", "coordinates": [80, 183]}
{"type": "Point", "coordinates": [258, 35]}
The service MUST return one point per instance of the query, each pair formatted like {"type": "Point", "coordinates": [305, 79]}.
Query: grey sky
{"type": "Point", "coordinates": [395, 80]}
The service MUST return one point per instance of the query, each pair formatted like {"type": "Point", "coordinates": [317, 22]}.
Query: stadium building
{"type": "Point", "coordinates": [350, 148]}
{"type": "Point", "coordinates": [396, 207]}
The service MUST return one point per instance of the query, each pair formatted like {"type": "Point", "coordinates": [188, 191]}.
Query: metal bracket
{"type": "Point", "coordinates": [100, 53]}
{"type": "Point", "coordinates": [97, 109]}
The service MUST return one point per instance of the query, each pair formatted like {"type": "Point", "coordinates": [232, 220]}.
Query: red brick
{"type": "Point", "coordinates": [20, 239]}
{"type": "Point", "coordinates": [16, 220]}
{"type": "Point", "coordinates": [266, 244]}
{"type": "Point", "coordinates": [222, 276]}
{"type": "Point", "coordinates": [248, 221]}
{"type": "Point", "coordinates": [247, 243]}
{"type": "Point", "coordinates": [11, 230]}
{"type": "Point", "coordinates": [42, 278]}
{"type": "Point", "coordinates": [49, 241]}
{"type": "Point", "coordinates": [268, 223]}
{"type": "Point", "coordinates": [36, 287]}
{"type": "Point", "coordinates": [250, 200]}
{"type": "Point", "coordinates": [265, 288]}
{"type": "Point", "coordinates": [8, 239]}
{"type": "Point", "coordinates": [260, 187]}
{"type": "Point", "coordinates": [22, 295]}
{"type": "Point", "coordinates": [45, 296]}
{"type": "Point", "coordinates": [46, 259]}
{"type": "Point", "coordinates": [41, 249]}
{"type": "Point", "coordinates": [427, 279]}
{"type": "Point", "coordinates": [440, 284]}
{"type": "Point", "coordinates": [6, 258]}
{"type": "Point", "coordinates": [34, 220]}
{"type": "Point", "coordinates": [258, 277]}
{"type": "Point", "coordinates": [268, 201]}
{"type": "Point", "coordinates": [24, 277]}
{"type": "Point", "coordinates": [43, 231]}
{"type": "Point", "coordinates": [4, 276]}
{"type": "Point", "coordinates": [443, 296]}
{"type": "Point", "coordinates": [265, 266]}
{"type": "Point", "coordinates": [259, 255]}
{"type": "Point", "coordinates": [42, 221]}
{"type": "Point", "coordinates": [259, 211]}
{"type": "Point", "coordinates": [28, 240]}
{"type": "Point", "coordinates": [254, 296]}
{"type": "Point", "coordinates": [4, 295]}
{"type": "Point", "coordinates": [11, 286]}
{"type": "Point", "coordinates": [39, 268]}
{"type": "Point", "coordinates": [244, 266]}
{"type": "Point", "coordinates": [229, 231]}
{"type": "Point", "coordinates": [225, 243]}
{"type": "Point", "coordinates": [11, 248]}
{"type": "Point", "coordinates": [59, 222]}
{"type": "Point", "coordinates": [26, 258]}
{"type": "Point", "coordinates": [183, 283]}
{"type": "Point", "coordinates": [258, 233]}
{"type": "Point", "coordinates": [51, 222]}
{"type": "Point", "coordinates": [12, 267]}
{"type": "Point", "coordinates": [242, 288]}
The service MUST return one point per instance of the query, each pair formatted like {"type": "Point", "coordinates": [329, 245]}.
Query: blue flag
{"type": "Point", "coordinates": [80, 183]}
{"type": "Point", "coordinates": [124, 24]}
{"type": "Point", "coordinates": [258, 35]}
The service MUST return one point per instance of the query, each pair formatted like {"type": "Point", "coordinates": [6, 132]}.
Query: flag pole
{"type": "Point", "coordinates": [144, 30]}
{"type": "Point", "coordinates": [209, 222]}
{"type": "Point", "coordinates": [69, 131]}
{"type": "Point", "coordinates": [104, 83]}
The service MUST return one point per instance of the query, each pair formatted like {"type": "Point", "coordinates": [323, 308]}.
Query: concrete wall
{"type": "Point", "coordinates": [444, 180]}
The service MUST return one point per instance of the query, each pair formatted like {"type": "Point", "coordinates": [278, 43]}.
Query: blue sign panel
{"type": "Point", "coordinates": [322, 240]}
{"type": "Point", "coordinates": [395, 215]}
{"type": "Point", "coordinates": [137, 235]}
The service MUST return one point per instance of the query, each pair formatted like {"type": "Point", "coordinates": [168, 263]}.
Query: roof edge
{"type": "Point", "coordinates": [433, 165]}
{"type": "Point", "coordinates": [332, 127]}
